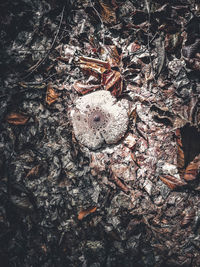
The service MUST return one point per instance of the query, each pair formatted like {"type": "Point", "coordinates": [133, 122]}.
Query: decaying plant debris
{"type": "Point", "coordinates": [132, 198]}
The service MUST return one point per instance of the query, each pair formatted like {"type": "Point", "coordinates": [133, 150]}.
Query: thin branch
{"type": "Point", "coordinates": [99, 16]}
{"type": "Point", "coordinates": [47, 54]}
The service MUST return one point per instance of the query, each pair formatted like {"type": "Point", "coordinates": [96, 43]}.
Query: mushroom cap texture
{"type": "Point", "coordinates": [98, 118]}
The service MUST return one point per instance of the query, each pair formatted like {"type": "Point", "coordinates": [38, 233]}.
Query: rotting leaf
{"type": "Point", "coordinates": [192, 169]}
{"type": "Point", "coordinates": [17, 118]}
{"type": "Point", "coordinates": [171, 181]}
{"type": "Point", "coordinates": [86, 212]}
{"type": "Point", "coordinates": [51, 95]}
{"type": "Point", "coordinates": [139, 17]}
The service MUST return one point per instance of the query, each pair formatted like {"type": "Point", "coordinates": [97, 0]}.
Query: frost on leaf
{"type": "Point", "coordinates": [98, 118]}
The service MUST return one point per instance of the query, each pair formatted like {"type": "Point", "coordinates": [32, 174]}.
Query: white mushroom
{"type": "Point", "coordinates": [98, 118]}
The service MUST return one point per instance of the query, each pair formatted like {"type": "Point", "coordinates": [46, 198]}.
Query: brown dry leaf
{"type": "Point", "coordinates": [51, 95]}
{"type": "Point", "coordinates": [133, 115]}
{"type": "Point", "coordinates": [34, 171]}
{"type": "Point", "coordinates": [192, 169]}
{"type": "Point", "coordinates": [83, 89]}
{"type": "Point", "coordinates": [94, 66]}
{"type": "Point", "coordinates": [86, 212]}
{"type": "Point", "coordinates": [113, 82]}
{"type": "Point", "coordinates": [180, 153]}
{"type": "Point", "coordinates": [17, 118]}
{"type": "Point", "coordinates": [108, 14]}
{"type": "Point", "coordinates": [171, 181]}
{"type": "Point", "coordinates": [120, 184]}
{"type": "Point", "coordinates": [188, 217]}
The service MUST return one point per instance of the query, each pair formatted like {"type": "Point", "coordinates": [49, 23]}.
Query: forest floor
{"type": "Point", "coordinates": [73, 190]}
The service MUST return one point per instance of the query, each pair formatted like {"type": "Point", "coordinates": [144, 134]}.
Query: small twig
{"type": "Point", "coordinates": [42, 60]}
{"type": "Point", "coordinates": [99, 16]}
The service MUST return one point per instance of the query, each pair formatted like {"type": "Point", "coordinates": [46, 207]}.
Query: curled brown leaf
{"type": "Point", "coordinates": [112, 82]}
{"type": "Point", "coordinates": [192, 169]}
{"type": "Point", "coordinates": [94, 66]}
{"type": "Point", "coordinates": [171, 181]}
{"type": "Point", "coordinates": [17, 118]}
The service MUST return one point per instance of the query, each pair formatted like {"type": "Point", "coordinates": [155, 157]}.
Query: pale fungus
{"type": "Point", "coordinates": [98, 118]}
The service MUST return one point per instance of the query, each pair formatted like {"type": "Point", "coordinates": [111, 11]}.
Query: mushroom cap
{"type": "Point", "coordinates": [98, 118]}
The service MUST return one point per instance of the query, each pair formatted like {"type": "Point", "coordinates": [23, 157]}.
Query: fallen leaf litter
{"type": "Point", "coordinates": [129, 196]}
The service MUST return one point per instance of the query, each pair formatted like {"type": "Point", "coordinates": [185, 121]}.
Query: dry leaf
{"type": "Point", "coordinates": [108, 14]}
{"type": "Point", "coordinates": [51, 95]}
{"type": "Point", "coordinates": [192, 169]}
{"type": "Point", "coordinates": [94, 66]}
{"type": "Point", "coordinates": [34, 171]}
{"type": "Point", "coordinates": [188, 217]}
{"type": "Point", "coordinates": [86, 212]}
{"type": "Point", "coordinates": [113, 82]}
{"type": "Point", "coordinates": [171, 181]}
{"type": "Point", "coordinates": [113, 57]}
{"type": "Point", "coordinates": [17, 118]}
{"type": "Point", "coordinates": [83, 89]}
{"type": "Point", "coordinates": [120, 184]}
